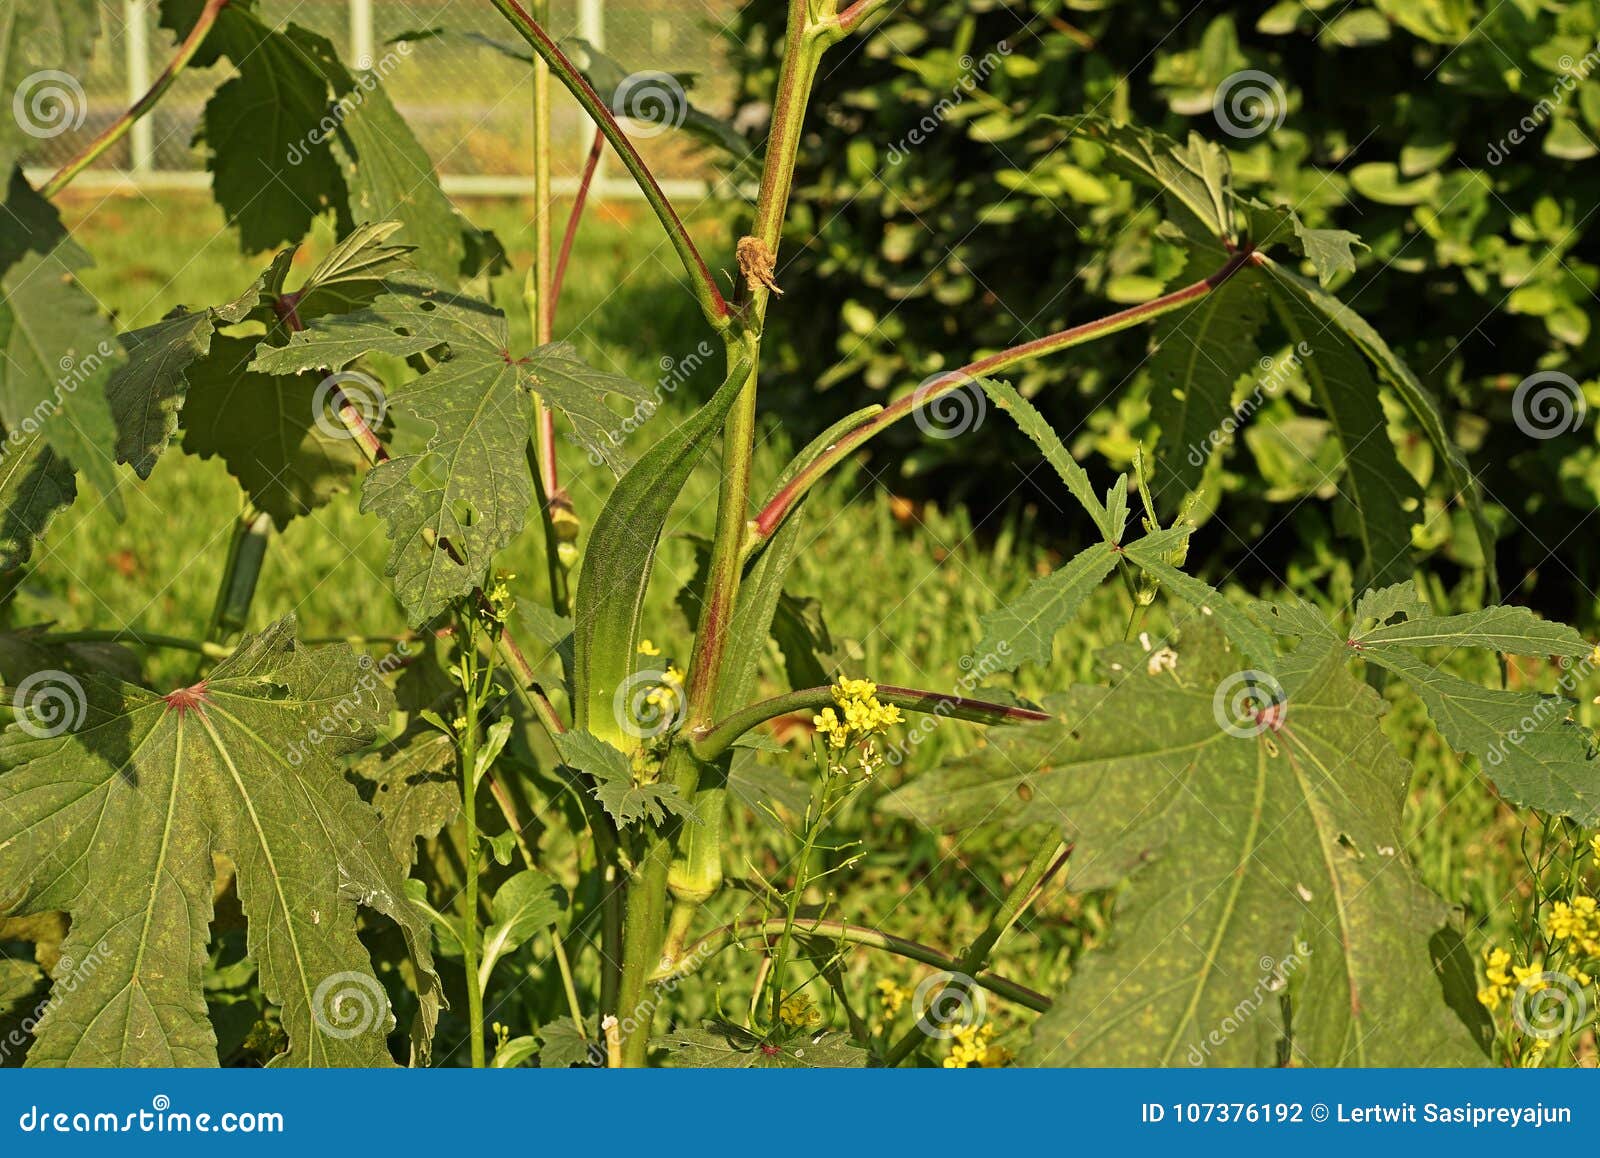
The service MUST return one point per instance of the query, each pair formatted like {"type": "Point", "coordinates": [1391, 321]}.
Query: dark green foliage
{"type": "Point", "coordinates": [904, 258]}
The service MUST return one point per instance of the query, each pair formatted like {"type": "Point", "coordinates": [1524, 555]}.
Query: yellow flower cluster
{"type": "Point", "coordinates": [974, 1048]}
{"type": "Point", "coordinates": [859, 717]}
{"type": "Point", "coordinates": [499, 601]}
{"type": "Point", "coordinates": [893, 997]}
{"type": "Point", "coordinates": [1575, 925]}
{"type": "Point", "coordinates": [1594, 849]}
{"type": "Point", "coordinates": [798, 1012]}
{"type": "Point", "coordinates": [1503, 978]}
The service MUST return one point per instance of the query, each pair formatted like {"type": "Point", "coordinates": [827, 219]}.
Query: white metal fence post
{"type": "Point", "coordinates": [592, 27]}
{"type": "Point", "coordinates": [361, 36]}
{"type": "Point", "coordinates": [141, 139]}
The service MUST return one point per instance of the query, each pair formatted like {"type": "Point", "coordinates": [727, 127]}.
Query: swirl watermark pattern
{"type": "Point", "coordinates": [347, 1005]}
{"type": "Point", "coordinates": [1249, 103]}
{"type": "Point", "coordinates": [1248, 703]}
{"type": "Point", "coordinates": [49, 103]}
{"type": "Point", "coordinates": [1547, 404]}
{"type": "Point", "coordinates": [362, 392]}
{"type": "Point", "coordinates": [946, 1002]}
{"type": "Point", "coordinates": [649, 704]}
{"type": "Point", "coordinates": [654, 101]}
{"type": "Point", "coordinates": [1549, 1005]}
{"type": "Point", "coordinates": [945, 413]}
{"type": "Point", "coordinates": [48, 703]}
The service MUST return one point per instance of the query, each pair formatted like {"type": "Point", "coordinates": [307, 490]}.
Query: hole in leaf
{"type": "Point", "coordinates": [430, 473]}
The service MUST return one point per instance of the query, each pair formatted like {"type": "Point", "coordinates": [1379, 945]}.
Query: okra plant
{"type": "Point", "coordinates": [571, 787]}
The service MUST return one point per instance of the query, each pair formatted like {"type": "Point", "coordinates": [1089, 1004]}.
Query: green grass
{"type": "Point", "coordinates": [908, 585]}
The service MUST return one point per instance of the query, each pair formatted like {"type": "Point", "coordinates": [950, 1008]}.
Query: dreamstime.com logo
{"type": "Point", "coordinates": [337, 721]}
{"type": "Point", "coordinates": [75, 371]}
{"type": "Point", "coordinates": [945, 412]}
{"type": "Point", "coordinates": [946, 1003]}
{"type": "Point", "coordinates": [654, 101]}
{"type": "Point", "coordinates": [159, 1118]}
{"type": "Point", "coordinates": [1248, 703]}
{"type": "Point", "coordinates": [49, 103]}
{"type": "Point", "coordinates": [69, 973]}
{"type": "Point", "coordinates": [362, 392]}
{"type": "Point", "coordinates": [1549, 1005]}
{"type": "Point", "coordinates": [1249, 103]}
{"type": "Point", "coordinates": [1548, 404]}
{"type": "Point", "coordinates": [48, 703]}
{"type": "Point", "coordinates": [347, 1005]}
{"type": "Point", "coordinates": [1272, 981]}
{"type": "Point", "coordinates": [365, 82]}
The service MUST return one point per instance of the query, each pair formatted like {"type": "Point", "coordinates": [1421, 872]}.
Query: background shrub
{"type": "Point", "coordinates": [1455, 137]}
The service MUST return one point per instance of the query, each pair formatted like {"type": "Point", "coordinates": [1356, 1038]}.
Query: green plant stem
{"type": "Point", "coordinates": [469, 812]}
{"type": "Point", "coordinates": [712, 303]}
{"type": "Point", "coordinates": [136, 638]}
{"type": "Point", "coordinates": [719, 738]}
{"type": "Point", "coordinates": [1046, 862]}
{"type": "Point", "coordinates": [647, 891]}
{"type": "Point", "coordinates": [543, 310]}
{"type": "Point", "coordinates": [761, 930]}
{"type": "Point", "coordinates": [508, 809]}
{"type": "Point", "coordinates": [802, 870]}
{"type": "Point", "coordinates": [236, 589]}
{"type": "Point", "coordinates": [119, 128]}
{"type": "Point", "coordinates": [141, 639]}
{"type": "Point", "coordinates": [784, 499]}
{"type": "Point", "coordinates": [606, 840]}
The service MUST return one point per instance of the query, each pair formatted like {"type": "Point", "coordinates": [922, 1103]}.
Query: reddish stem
{"type": "Point", "coordinates": [119, 127]}
{"type": "Point", "coordinates": [780, 504]}
{"type": "Point", "coordinates": [589, 166]}
{"type": "Point", "coordinates": [710, 297]}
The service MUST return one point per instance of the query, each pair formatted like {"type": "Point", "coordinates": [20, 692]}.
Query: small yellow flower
{"type": "Point", "coordinates": [501, 602]}
{"type": "Point", "coordinates": [893, 997]}
{"type": "Point", "coordinates": [798, 1012]}
{"type": "Point", "coordinates": [1594, 849]}
{"type": "Point", "coordinates": [857, 717]}
{"type": "Point", "coordinates": [648, 648]}
{"type": "Point", "coordinates": [974, 1047]}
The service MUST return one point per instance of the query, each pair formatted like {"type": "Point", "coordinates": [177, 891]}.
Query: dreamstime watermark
{"type": "Point", "coordinates": [1275, 374]}
{"type": "Point", "coordinates": [48, 703]}
{"type": "Point", "coordinates": [1549, 1005]}
{"type": "Point", "coordinates": [75, 371]}
{"type": "Point", "coordinates": [1248, 703]}
{"type": "Point", "coordinates": [1573, 73]}
{"type": "Point", "coordinates": [337, 720]}
{"type": "Point", "coordinates": [361, 392]}
{"type": "Point", "coordinates": [974, 671]}
{"type": "Point", "coordinates": [68, 975]}
{"type": "Point", "coordinates": [946, 1003]}
{"type": "Point", "coordinates": [1250, 102]}
{"type": "Point", "coordinates": [1273, 980]}
{"type": "Point", "coordinates": [973, 74]}
{"type": "Point", "coordinates": [346, 1005]}
{"type": "Point", "coordinates": [674, 373]}
{"type": "Point", "coordinates": [942, 411]}
{"type": "Point", "coordinates": [1548, 404]}
{"type": "Point", "coordinates": [365, 82]}
{"type": "Point", "coordinates": [1549, 709]}
{"type": "Point", "coordinates": [49, 103]}
{"type": "Point", "coordinates": [649, 703]}
{"type": "Point", "coordinates": [643, 1013]}
{"type": "Point", "coordinates": [654, 101]}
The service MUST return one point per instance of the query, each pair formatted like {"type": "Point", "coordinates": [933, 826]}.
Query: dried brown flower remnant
{"type": "Point", "coordinates": [756, 262]}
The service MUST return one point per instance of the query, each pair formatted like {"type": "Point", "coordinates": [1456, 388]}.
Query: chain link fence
{"type": "Point", "coordinates": [468, 103]}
